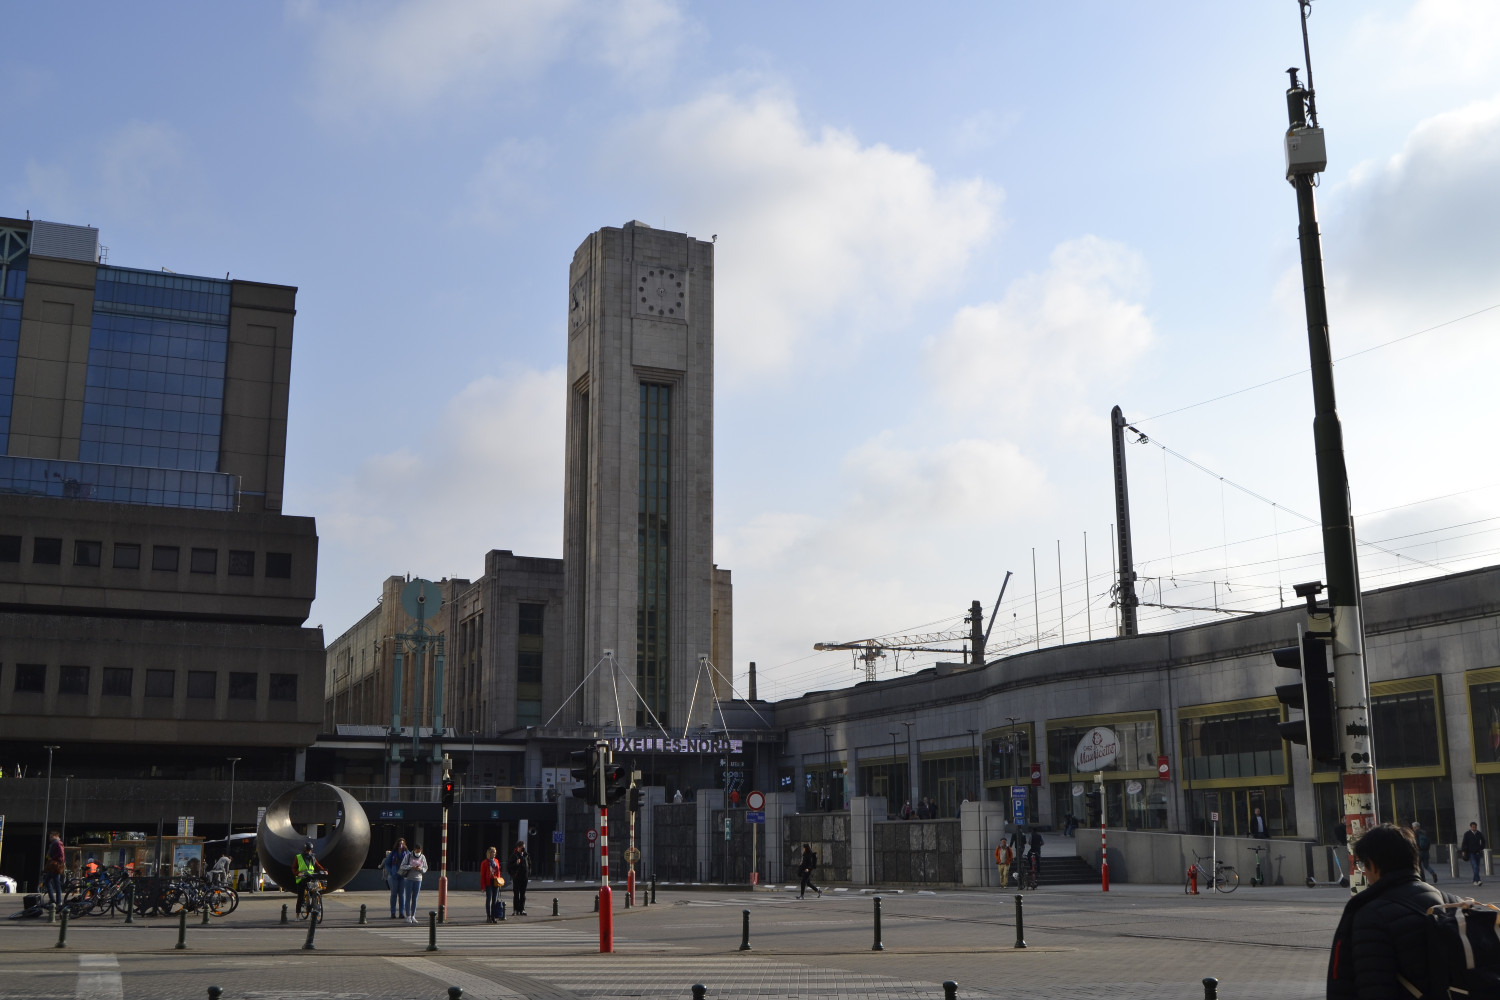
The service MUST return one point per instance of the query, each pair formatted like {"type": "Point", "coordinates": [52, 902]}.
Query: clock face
{"type": "Point", "coordinates": [578, 303]}
{"type": "Point", "coordinates": [661, 293]}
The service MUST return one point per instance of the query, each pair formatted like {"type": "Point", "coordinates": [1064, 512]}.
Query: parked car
{"type": "Point", "coordinates": [7, 884]}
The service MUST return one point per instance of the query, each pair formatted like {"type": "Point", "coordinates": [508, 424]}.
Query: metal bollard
{"type": "Point", "coordinates": [1210, 989]}
{"type": "Point", "coordinates": [215, 992]}
{"type": "Point", "coordinates": [1020, 924]}
{"type": "Point", "coordinates": [51, 912]}
{"type": "Point", "coordinates": [596, 902]}
{"type": "Point", "coordinates": [950, 989]}
{"type": "Point", "coordinates": [455, 992]}
{"type": "Point", "coordinates": [62, 934]}
{"type": "Point", "coordinates": [130, 902]}
{"type": "Point", "coordinates": [204, 911]}
{"type": "Point", "coordinates": [653, 887]}
{"type": "Point", "coordinates": [283, 913]}
{"type": "Point", "coordinates": [312, 929]}
{"type": "Point", "coordinates": [877, 946]}
{"type": "Point", "coordinates": [432, 930]}
{"type": "Point", "coordinates": [744, 930]}
{"type": "Point", "coordinates": [362, 919]}
{"type": "Point", "coordinates": [554, 906]}
{"type": "Point", "coordinates": [627, 899]}
{"type": "Point", "coordinates": [182, 930]}
{"type": "Point", "coordinates": [699, 991]}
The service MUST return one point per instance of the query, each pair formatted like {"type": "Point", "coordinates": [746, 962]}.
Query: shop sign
{"type": "Point", "coordinates": [1132, 788]}
{"type": "Point", "coordinates": [1077, 791]}
{"type": "Point", "coordinates": [1097, 750]}
{"type": "Point", "coordinates": [660, 744]}
{"type": "Point", "coordinates": [393, 814]}
{"type": "Point", "coordinates": [1163, 768]}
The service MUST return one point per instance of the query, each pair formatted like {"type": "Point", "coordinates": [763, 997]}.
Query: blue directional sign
{"type": "Point", "coordinates": [1018, 802]}
{"type": "Point", "coordinates": [755, 816]}
{"type": "Point", "coordinates": [557, 836]}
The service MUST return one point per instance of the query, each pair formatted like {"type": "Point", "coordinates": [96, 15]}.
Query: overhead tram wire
{"type": "Point", "coordinates": [1304, 371]}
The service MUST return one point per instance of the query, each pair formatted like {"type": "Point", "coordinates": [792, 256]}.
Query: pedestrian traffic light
{"type": "Point", "coordinates": [635, 798]}
{"type": "Point", "coordinates": [447, 792]}
{"type": "Point", "coordinates": [1313, 694]}
{"type": "Point", "coordinates": [586, 772]}
{"type": "Point", "coordinates": [616, 783]}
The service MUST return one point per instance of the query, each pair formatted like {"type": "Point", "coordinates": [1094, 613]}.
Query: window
{"type": "Point", "coordinates": [1243, 744]}
{"type": "Point", "coordinates": [127, 555]}
{"type": "Point", "coordinates": [31, 678]}
{"type": "Point", "coordinates": [241, 563]}
{"type": "Point", "coordinates": [87, 553]}
{"type": "Point", "coordinates": [1406, 730]}
{"type": "Point", "coordinates": [653, 554]}
{"type": "Point", "coordinates": [73, 680]}
{"type": "Point", "coordinates": [10, 548]}
{"type": "Point", "coordinates": [47, 551]}
{"type": "Point", "coordinates": [205, 561]}
{"type": "Point", "coordinates": [279, 565]}
{"type": "Point", "coordinates": [242, 686]}
{"type": "Point", "coordinates": [164, 558]}
{"type": "Point", "coordinates": [283, 687]}
{"type": "Point", "coordinates": [529, 665]}
{"type": "Point", "coordinates": [117, 681]}
{"type": "Point", "coordinates": [201, 683]}
{"type": "Point", "coordinates": [161, 683]}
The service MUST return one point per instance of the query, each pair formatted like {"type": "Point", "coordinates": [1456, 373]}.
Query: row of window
{"type": "Point", "coordinates": [119, 682]}
{"type": "Point", "coordinates": [164, 558]}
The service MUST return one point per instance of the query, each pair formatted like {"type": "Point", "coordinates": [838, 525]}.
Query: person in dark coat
{"type": "Point", "coordinates": [1381, 934]}
{"type": "Point", "coordinates": [520, 874]}
{"type": "Point", "coordinates": [805, 870]}
{"type": "Point", "coordinates": [1473, 849]}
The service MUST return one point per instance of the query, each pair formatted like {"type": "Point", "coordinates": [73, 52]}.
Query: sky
{"type": "Point", "coordinates": [949, 239]}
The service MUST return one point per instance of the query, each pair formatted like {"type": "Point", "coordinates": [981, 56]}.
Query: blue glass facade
{"type": "Point", "coordinates": [117, 483]}
{"type": "Point", "coordinates": [12, 291]}
{"type": "Point", "coordinates": [155, 384]}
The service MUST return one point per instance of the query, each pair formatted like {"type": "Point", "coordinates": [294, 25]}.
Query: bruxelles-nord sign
{"type": "Point", "coordinates": [666, 744]}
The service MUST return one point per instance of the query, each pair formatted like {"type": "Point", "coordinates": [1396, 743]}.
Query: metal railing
{"type": "Point", "coordinates": [433, 793]}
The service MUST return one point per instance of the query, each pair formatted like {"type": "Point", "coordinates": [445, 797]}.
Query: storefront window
{"type": "Point", "coordinates": [1406, 729]}
{"type": "Point", "coordinates": [1133, 803]}
{"type": "Point", "coordinates": [1241, 744]}
{"type": "Point", "coordinates": [1484, 716]}
{"type": "Point", "coordinates": [888, 779]}
{"type": "Point", "coordinates": [823, 787]}
{"type": "Point", "coordinates": [948, 781]}
{"type": "Point", "coordinates": [1428, 801]}
{"type": "Point", "coordinates": [1235, 806]}
{"type": "Point", "coordinates": [1007, 756]}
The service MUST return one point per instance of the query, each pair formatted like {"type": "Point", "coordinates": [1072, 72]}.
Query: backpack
{"type": "Point", "coordinates": [1463, 952]}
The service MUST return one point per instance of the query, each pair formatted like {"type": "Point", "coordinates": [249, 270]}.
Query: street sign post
{"type": "Point", "coordinates": [755, 815]}
{"type": "Point", "coordinates": [1018, 803]}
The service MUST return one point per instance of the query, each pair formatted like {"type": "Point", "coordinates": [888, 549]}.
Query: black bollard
{"type": "Point", "coordinates": [744, 930]}
{"type": "Point", "coordinates": [877, 946]}
{"type": "Point", "coordinates": [1020, 924]}
{"type": "Point", "coordinates": [432, 930]}
{"type": "Point", "coordinates": [362, 919]}
{"type": "Point", "coordinates": [950, 990]}
{"type": "Point", "coordinates": [455, 992]}
{"type": "Point", "coordinates": [182, 930]}
{"type": "Point", "coordinates": [215, 992]}
{"type": "Point", "coordinates": [554, 906]}
{"type": "Point", "coordinates": [627, 900]}
{"type": "Point", "coordinates": [204, 921]}
{"type": "Point", "coordinates": [1210, 989]}
{"type": "Point", "coordinates": [653, 887]}
{"type": "Point", "coordinates": [130, 902]}
{"type": "Point", "coordinates": [596, 902]}
{"type": "Point", "coordinates": [699, 991]}
{"type": "Point", "coordinates": [283, 913]}
{"type": "Point", "coordinates": [62, 934]}
{"type": "Point", "coordinates": [442, 912]}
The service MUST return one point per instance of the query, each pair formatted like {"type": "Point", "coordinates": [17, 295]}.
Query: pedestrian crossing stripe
{"type": "Point", "coordinates": [534, 936]}
{"type": "Point", "coordinates": [724, 976]}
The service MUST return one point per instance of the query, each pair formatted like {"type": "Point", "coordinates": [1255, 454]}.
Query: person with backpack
{"type": "Point", "coordinates": [1424, 849]}
{"type": "Point", "coordinates": [1382, 937]}
{"type": "Point", "coordinates": [805, 870]}
{"type": "Point", "coordinates": [1472, 849]}
{"type": "Point", "coordinates": [391, 867]}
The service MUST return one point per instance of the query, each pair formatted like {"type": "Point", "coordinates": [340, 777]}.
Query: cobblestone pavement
{"type": "Point", "coordinates": [1136, 941]}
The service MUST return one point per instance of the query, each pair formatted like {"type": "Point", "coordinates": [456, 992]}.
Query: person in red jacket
{"type": "Point", "coordinates": [491, 881]}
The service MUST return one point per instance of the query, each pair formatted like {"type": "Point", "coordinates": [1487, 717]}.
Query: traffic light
{"type": "Point", "coordinates": [1313, 694]}
{"type": "Point", "coordinates": [616, 783]}
{"type": "Point", "coordinates": [635, 798]}
{"type": "Point", "coordinates": [447, 792]}
{"type": "Point", "coordinates": [586, 772]}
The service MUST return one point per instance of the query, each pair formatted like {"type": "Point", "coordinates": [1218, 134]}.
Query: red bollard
{"type": "Point", "coordinates": [1192, 880]}
{"type": "Point", "coordinates": [606, 920]}
{"type": "Point", "coordinates": [1104, 856]}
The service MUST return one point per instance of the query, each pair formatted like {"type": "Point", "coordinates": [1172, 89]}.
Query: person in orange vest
{"type": "Point", "coordinates": [1003, 858]}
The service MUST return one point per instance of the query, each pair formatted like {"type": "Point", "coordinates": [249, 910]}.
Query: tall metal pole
{"type": "Point", "coordinates": [976, 634]}
{"type": "Point", "coordinates": [233, 763]}
{"type": "Point", "coordinates": [1358, 781]}
{"type": "Point", "coordinates": [1127, 600]}
{"type": "Point", "coordinates": [46, 811]}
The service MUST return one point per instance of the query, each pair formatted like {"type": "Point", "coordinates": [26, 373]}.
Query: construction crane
{"type": "Point", "coordinates": [870, 651]}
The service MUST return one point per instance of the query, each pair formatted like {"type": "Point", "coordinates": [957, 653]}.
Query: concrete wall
{"type": "Point", "coordinates": [674, 856]}
{"type": "Point", "coordinates": [46, 416]}
{"type": "Point", "coordinates": [920, 852]}
{"type": "Point", "coordinates": [1163, 858]}
{"type": "Point", "coordinates": [828, 834]}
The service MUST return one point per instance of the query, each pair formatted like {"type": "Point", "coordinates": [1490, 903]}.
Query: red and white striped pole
{"type": "Point", "coordinates": [606, 905]}
{"type": "Point", "coordinates": [1103, 834]}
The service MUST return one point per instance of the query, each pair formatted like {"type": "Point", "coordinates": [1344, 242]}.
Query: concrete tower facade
{"type": "Point", "coordinates": [638, 510]}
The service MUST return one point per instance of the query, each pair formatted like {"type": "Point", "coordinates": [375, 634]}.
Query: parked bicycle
{"type": "Point", "coordinates": [1224, 878]}
{"type": "Point", "coordinates": [1027, 870]}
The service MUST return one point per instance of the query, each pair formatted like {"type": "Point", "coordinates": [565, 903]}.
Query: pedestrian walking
{"type": "Point", "coordinates": [491, 881]}
{"type": "Point", "coordinates": [1424, 848]}
{"type": "Point", "coordinates": [1380, 947]}
{"type": "Point", "coordinates": [1472, 849]}
{"type": "Point", "coordinates": [1004, 855]}
{"type": "Point", "coordinates": [1258, 828]}
{"type": "Point", "coordinates": [391, 867]}
{"type": "Point", "coordinates": [52, 869]}
{"type": "Point", "coordinates": [520, 874]}
{"type": "Point", "coordinates": [413, 867]}
{"type": "Point", "coordinates": [805, 870]}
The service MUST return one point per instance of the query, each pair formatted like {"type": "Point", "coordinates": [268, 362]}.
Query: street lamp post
{"type": "Point", "coordinates": [894, 809]}
{"type": "Point", "coordinates": [46, 810]}
{"type": "Point", "coordinates": [911, 784]}
{"type": "Point", "coordinates": [974, 740]}
{"type": "Point", "coordinates": [823, 795]}
{"type": "Point", "coordinates": [229, 831]}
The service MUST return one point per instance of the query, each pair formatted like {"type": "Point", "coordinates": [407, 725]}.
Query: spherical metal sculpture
{"type": "Point", "coordinates": [342, 850]}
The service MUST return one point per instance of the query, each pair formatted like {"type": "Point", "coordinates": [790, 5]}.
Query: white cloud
{"type": "Point", "coordinates": [812, 225]}
{"type": "Point", "coordinates": [508, 184]}
{"type": "Point", "coordinates": [491, 477]}
{"type": "Point", "coordinates": [1050, 336]}
{"type": "Point", "coordinates": [1432, 42]}
{"type": "Point", "coordinates": [408, 55]}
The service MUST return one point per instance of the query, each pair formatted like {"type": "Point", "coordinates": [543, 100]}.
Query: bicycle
{"type": "Point", "coordinates": [310, 901]}
{"type": "Point", "coordinates": [1026, 872]}
{"type": "Point", "coordinates": [1224, 879]}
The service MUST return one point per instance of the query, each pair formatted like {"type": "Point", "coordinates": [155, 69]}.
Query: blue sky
{"type": "Point", "coordinates": [950, 239]}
